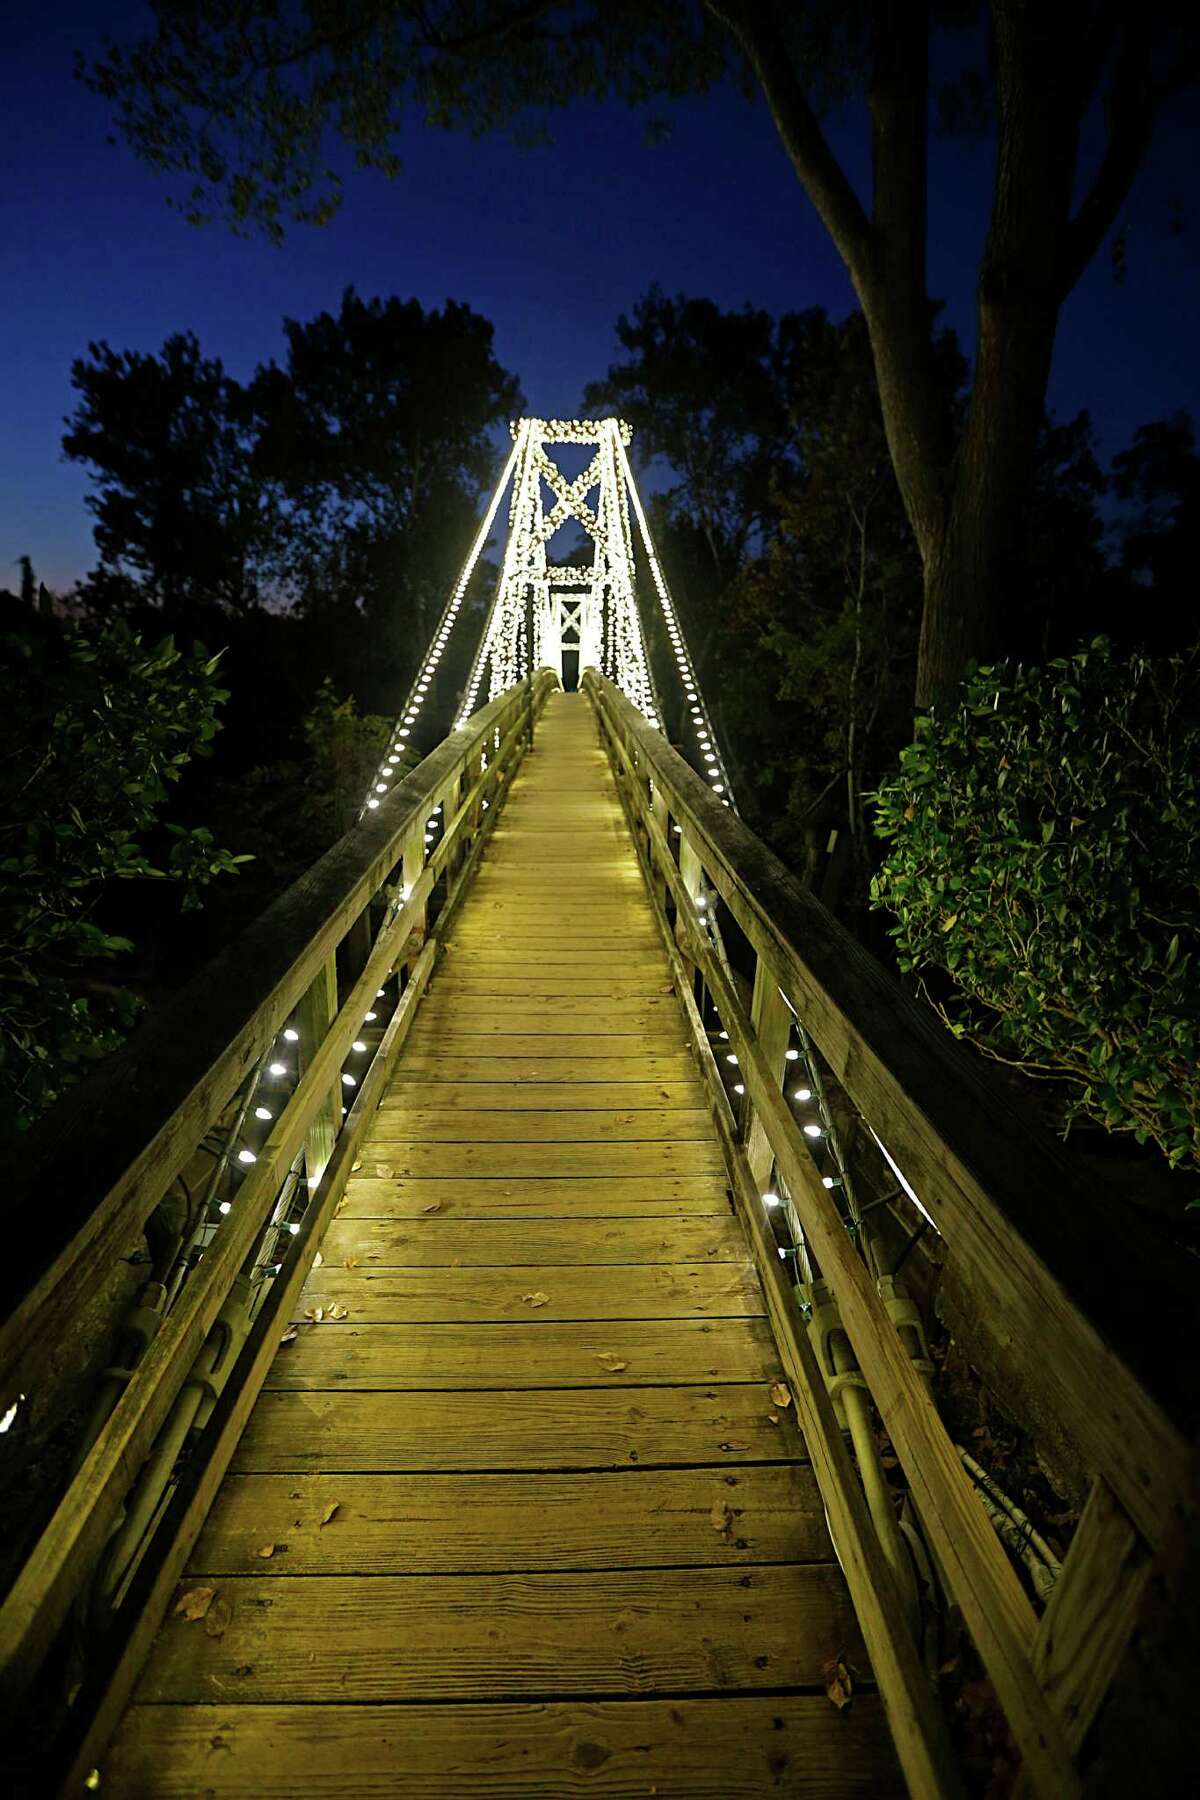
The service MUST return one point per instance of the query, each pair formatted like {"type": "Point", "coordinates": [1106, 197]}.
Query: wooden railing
{"type": "Point", "coordinates": [94, 1171]}
{"type": "Point", "coordinates": [1051, 1269]}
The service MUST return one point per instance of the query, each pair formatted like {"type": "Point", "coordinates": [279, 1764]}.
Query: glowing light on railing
{"type": "Point", "coordinates": [813, 1131]}
{"type": "Point", "coordinates": [10, 1415]}
{"type": "Point", "coordinates": [802, 1093]}
{"type": "Point", "coordinates": [369, 1018]}
{"type": "Point", "coordinates": [294, 1227]}
{"type": "Point", "coordinates": [731, 1058]}
{"type": "Point", "coordinates": [292, 1037]}
{"type": "Point", "coordinates": [224, 1207]}
{"type": "Point", "coordinates": [739, 1087]}
{"type": "Point", "coordinates": [246, 1156]}
{"type": "Point", "coordinates": [771, 1200]}
{"type": "Point", "coordinates": [278, 1068]}
{"type": "Point", "coordinates": [349, 1081]}
{"type": "Point", "coordinates": [358, 1045]}
{"type": "Point", "coordinates": [263, 1112]}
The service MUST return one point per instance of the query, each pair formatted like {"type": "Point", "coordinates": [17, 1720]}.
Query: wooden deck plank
{"type": "Point", "coordinates": [494, 1125]}
{"type": "Point", "coordinates": [496, 1294]}
{"type": "Point", "coordinates": [569, 1428]}
{"type": "Point", "coordinates": [488, 1637]}
{"type": "Point", "coordinates": [538, 1097]}
{"type": "Point", "coordinates": [467, 1059]}
{"type": "Point", "coordinates": [688, 1749]}
{"type": "Point", "coordinates": [559, 1353]}
{"type": "Point", "coordinates": [369, 1196]}
{"type": "Point", "coordinates": [436, 1523]}
{"type": "Point", "coordinates": [692, 1157]}
{"type": "Point", "coordinates": [433, 1242]}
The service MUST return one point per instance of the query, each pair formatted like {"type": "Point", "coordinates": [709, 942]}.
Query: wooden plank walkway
{"type": "Point", "coordinates": [526, 1520]}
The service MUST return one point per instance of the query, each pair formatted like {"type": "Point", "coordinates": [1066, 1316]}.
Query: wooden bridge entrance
{"type": "Point", "coordinates": [481, 1445]}
{"type": "Point", "coordinates": [577, 1546]}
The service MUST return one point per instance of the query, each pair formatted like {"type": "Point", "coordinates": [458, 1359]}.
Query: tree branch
{"type": "Point", "coordinates": [1133, 106]}
{"type": "Point", "coordinates": [753, 24]}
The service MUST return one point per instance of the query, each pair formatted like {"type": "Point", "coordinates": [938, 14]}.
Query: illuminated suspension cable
{"type": "Point", "coordinates": [708, 749]}
{"type": "Point", "coordinates": [423, 679]}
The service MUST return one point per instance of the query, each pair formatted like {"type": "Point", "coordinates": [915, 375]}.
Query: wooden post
{"type": "Point", "coordinates": [771, 1020]}
{"type": "Point", "coordinates": [1091, 1612]}
{"type": "Point", "coordinates": [314, 1015]}
{"type": "Point", "coordinates": [660, 807]}
{"type": "Point", "coordinates": [692, 872]}
{"type": "Point", "coordinates": [414, 862]}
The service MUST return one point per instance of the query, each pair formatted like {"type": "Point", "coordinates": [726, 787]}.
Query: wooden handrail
{"type": "Point", "coordinates": [195, 1055]}
{"type": "Point", "coordinates": [1006, 1199]}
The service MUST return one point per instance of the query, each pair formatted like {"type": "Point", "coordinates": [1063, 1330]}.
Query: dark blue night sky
{"type": "Point", "coordinates": [550, 244]}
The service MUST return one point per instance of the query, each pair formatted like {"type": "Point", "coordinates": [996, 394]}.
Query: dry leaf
{"type": "Point", "coordinates": [341, 1206]}
{"type": "Point", "coordinates": [732, 1446]}
{"type": "Point", "coordinates": [330, 1510]}
{"type": "Point", "coordinates": [265, 1550]}
{"type": "Point", "coordinates": [665, 1092]}
{"type": "Point", "coordinates": [772, 1418]}
{"type": "Point", "coordinates": [195, 1603]}
{"type": "Point", "coordinates": [537, 1299]}
{"type": "Point", "coordinates": [434, 1206]}
{"type": "Point", "coordinates": [339, 1312]}
{"type": "Point", "coordinates": [838, 1683]}
{"type": "Point", "coordinates": [218, 1617]}
{"type": "Point", "coordinates": [315, 1313]}
{"type": "Point", "coordinates": [781, 1394]}
{"type": "Point", "coordinates": [721, 1517]}
{"type": "Point", "coordinates": [317, 1260]}
{"type": "Point", "coordinates": [384, 1172]}
{"type": "Point", "coordinates": [614, 1364]}
{"type": "Point", "coordinates": [351, 1262]}
{"type": "Point", "coordinates": [624, 1119]}
{"type": "Point", "coordinates": [355, 1167]}
{"type": "Point", "coordinates": [289, 1335]}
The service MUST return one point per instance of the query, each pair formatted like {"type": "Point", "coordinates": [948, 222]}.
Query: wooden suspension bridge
{"type": "Point", "coordinates": [506, 1421]}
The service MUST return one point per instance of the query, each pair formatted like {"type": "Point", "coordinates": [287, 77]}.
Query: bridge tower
{"type": "Point", "coordinates": [542, 609]}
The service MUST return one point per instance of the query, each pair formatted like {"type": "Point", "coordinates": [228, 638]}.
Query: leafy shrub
{"type": "Point", "coordinates": [94, 728]}
{"type": "Point", "coordinates": [1044, 850]}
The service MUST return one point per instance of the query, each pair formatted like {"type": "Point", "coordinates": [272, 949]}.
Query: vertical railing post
{"type": "Point", "coordinates": [692, 875]}
{"type": "Point", "coordinates": [314, 1015]}
{"type": "Point", "coordinates": [660, 807]}
{"type": "Point", "coordinates": [413, 864]}
{"type": "Point", "coordinates": [771, 1019]}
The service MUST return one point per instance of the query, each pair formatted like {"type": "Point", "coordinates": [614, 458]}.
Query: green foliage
{"type": "Point", "coordinates": [1044, 851]}
{"type": "Point", "coordinates": [97, 726]}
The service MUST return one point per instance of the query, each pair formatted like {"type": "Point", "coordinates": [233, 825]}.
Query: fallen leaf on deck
{"type": "Point", "coordinates": [772, 1418]}
{"type": "Point", "coordinates": [720, 1516]}
{"type": "Point", "coordinates": [265, 1550]}
{"type": "Point", "coordinates": [195, 1603]}
{"type": "Point", "coordinates": [665, 1092]}
{"type": "Point", "coordinates": [356, 1166]}
{"type": "Point", "coordinates": [538, 1299]}
{"type": "Point", "coordinates": [351, 1262]}
{"type": "Point", "coordinates": [384, 1172]}
{"type": "Point", "coordinates": [317, 1260]}
{"type": "Point", "coordinates": [219, 1615]}
{"type": "Point", "coordinates": [316, 1313]}
{"type": "Point", "coordinates": [341, 1206]}
{"type": "Point", "coordinates": [434, 1206]}
{"type": "Point", "coordinates": [289, 1335]}
{"type": "Point", "coordinates": [624, 1119]}
{"type": "Point", "coordinates": [731, 1446]}
{"type": "Point", "coordinates": [612, 1363]}
{"type": "Point", "coordinates": [339, 1312]}
{"type": "Point", "coordinates": [781, 1394]}
{"type": "Point", "coordinates": [330, 1510]}
{"type": "Point", "coordinates": [838, 1682]}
